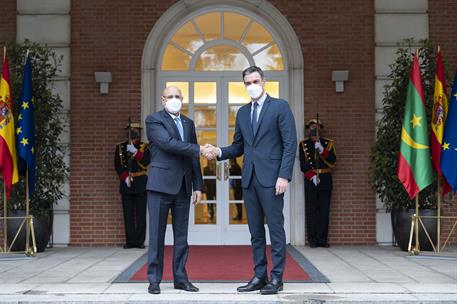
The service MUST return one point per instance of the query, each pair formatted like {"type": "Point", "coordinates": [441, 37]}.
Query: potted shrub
{"type": "Point", "coordinates": [51, 170]}
{"type": "Point", "coordinates": [386, 149]}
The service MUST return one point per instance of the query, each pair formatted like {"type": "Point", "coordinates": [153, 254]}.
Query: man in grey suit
{"type": "Point", "coordinates": [173, 174]}
{"type": "Point", "coordinates": [265, 134]}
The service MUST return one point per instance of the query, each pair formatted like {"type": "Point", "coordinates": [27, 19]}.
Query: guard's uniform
{"type": "Point", "coordinates": [134, 197]}
{"type": "Point", "coordinates": [317, 198]}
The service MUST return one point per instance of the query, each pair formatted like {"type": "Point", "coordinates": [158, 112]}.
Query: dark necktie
{"type": "Point", "coordinates": [179, 126]}
{"type": "Point", "coordinates": [254, 117]}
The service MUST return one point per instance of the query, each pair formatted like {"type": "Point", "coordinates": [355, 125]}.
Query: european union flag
{"type": "Point", "coordinates": [25, 132]}
{"type": "Point", "coordinates": [449, 148]}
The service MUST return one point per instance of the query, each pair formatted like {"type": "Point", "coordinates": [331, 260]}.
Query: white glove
{"type": "Point", "coordinates": [315, 180]}
{"type": "Point", "coordinates": [127, 181]}
{"type": "Point", "coordinates": [318, 146]}
{"type": "Point", "coordinates": [131, 148]}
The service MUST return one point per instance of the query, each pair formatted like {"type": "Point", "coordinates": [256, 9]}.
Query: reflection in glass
{"type": "Point", "coordinates": [210, 188]}
{"type": "Point", "coordinates": [209, 167]}
{"type": "Point", "coordinates": [232, 115]}
{"type": "Point", "coordinates": [234, 25]}
{"type": "Point", "coordinates": [205, 116]}
{"type": "Point", "coordinates": [175, 60]}
{"type": "Point", "coordinates": [210, 25]}
{"type": "Point", "coordinates": [221, 58]}
{"type": "Point", "coordinates": [269, 59]}
{"type": "Point", "coordinates": [205, 213]}
{"type": "Point", "coordinates": [237, 214]}
{"type": "Point", "coordinates": [183, 86]}
{"type": "Point", "coordinates": [205, 92]}
{"type": "Point", "coordinates": [256, 38]}
{"type": "Point", "coordinates": [188, 38]}
{"type": "Point", "coordinates": [206, 137]}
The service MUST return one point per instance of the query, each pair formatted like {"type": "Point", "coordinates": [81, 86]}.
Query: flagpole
{"type": "Point", "coordinates": [416, 223]}
{"type": "Point", "coordinates": [27, 211]}
{"type": "Point", "coordinates": [438, 217]}
{"type": "Point", "coordinates": [5, 220]}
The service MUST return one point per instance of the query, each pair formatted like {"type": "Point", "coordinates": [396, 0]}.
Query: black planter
{"type": "Point", "coordinates": [42, 228]}
{"type": "Point", "coordinates": [401, 225]}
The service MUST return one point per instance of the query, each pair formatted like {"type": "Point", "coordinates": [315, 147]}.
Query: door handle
{"type": "Point", "coordinates": [219, 171]}
{"type": "Point", "coordinates": [226, 171]}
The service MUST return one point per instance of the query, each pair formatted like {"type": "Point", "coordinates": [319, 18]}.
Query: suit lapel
{"type": "Point", "coordinates": [170, 125]}
{"type": "Point", "coordinates": [186, 129]}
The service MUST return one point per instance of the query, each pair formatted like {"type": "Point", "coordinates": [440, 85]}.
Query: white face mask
{"type": "Point", "coordinates": [173, 105]}
{"type": "Point", "coordinates": [254, 90]}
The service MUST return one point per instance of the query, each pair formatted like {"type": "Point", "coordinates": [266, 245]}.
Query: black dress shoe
{"type": "Point", "coordinates": [128, 246]}
{"type": "Point", "coordinates": [254, 284]}
{"type": "Point", "coordinates": [272, 287]}
{"type": "Point", "coordinates": [187, 286]}
{"type": "Point", "coordinates": [325, 245]}
{"type": "Point", "coordinates": [312, 245]}
{"type": "Point", "coordinates": [154, 288]}
{"type": "Point", "coordinates": [140, 246]}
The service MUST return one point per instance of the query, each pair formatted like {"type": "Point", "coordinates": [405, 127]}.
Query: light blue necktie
{"type": "Point", "coordinates": [179, 125]}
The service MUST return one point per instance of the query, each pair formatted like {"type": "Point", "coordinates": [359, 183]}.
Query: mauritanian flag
{"type": "Point", "coordinates": [8, 156]}
{"type": "Point", "coordinates": [414, 164]}
{"type": "Point", "coordinates": [439, 114]}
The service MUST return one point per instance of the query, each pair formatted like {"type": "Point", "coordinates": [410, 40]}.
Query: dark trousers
{"type": "Point", "coordinates": [134, 206]}
{"type": "Point", "coordinates": [262, 202]}
{"type": "Point", "coordinates": [317, 208]}
{"type": "Point", "coordinates": [159, 205]}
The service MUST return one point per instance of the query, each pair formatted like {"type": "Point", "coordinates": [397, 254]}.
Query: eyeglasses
{"type": "Point", "coordinates": [173, 96]}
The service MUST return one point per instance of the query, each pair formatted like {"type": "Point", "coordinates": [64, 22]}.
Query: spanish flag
{"type": "Point", "coordinates": [8, 156]}
{"type": "Point", "coordinates": [414, 164]}
{"type": "Point", "coordinates": [439, 114]}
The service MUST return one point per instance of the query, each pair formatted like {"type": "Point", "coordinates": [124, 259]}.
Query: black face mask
{"type": "Point", "coordinates": [313, 132]}
{"type": "Point", "coordinates": [134, 134]}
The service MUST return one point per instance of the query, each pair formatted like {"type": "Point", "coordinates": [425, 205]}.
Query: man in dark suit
{"type": "Point", "coordinates": [265, 134]}
{"type": "Point", "coordinates": [131, 161]}
{"type": "Point", "coordinates": [173, 174]}
{"type": "Point", "coordinates": [317, 159]}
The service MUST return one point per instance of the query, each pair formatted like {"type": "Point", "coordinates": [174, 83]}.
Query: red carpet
{"type": "Point", "coordinates": [222, 263]}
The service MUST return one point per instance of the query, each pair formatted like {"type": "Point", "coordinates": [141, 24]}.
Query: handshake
{"type": "Point", "coordinates": [208, 151]}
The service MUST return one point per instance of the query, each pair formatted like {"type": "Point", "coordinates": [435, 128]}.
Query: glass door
{"type": "Point", "coordinates": [212, 103]}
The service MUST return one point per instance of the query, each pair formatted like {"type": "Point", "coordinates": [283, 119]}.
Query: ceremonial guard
{"type": "Point", "coordinates": [317, 159]}
{"type": "Point", "coordinates": [131, 161]}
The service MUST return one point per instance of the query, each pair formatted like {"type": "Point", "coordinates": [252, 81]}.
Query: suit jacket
{"type": "Point", "coordinates": [270, 150]}
{"type": "Point", "coordinates": [138, 166]}
{"type": "Point", "coordinates": [172, 160]}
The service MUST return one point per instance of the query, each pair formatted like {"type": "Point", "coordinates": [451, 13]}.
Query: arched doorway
{"type": "Point", "coordinates": [204, 53]}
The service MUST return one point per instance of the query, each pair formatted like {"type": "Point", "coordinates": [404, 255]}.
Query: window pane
{"type": "Point", "coordinates": [272, 88]}
{"type": "Point", "coordinates": [183, 86]}
{"type": "Point", "coordinates": [205, 92]}
{"type": "Point", "coordinates": [205, 116]}
{"type": "Point", "coordinates": [210, 25]}
{"type": "Point", "coordinates": [237, 214]}
{"type": "Point", "coordinates": [175, 60]}
{"type": "Point", "coordinates": [206, 137]}
{"type": "Point", "coordinates": [232, 116]}
{"type": "Point", "coordinates": [205, 213]}
{"type": "Point", "coordinates": [237, 93]}
{"type": "Point", "coordinates": [221, 58]}
{"type": "Point", "coordinates": [257, 37]}
{"type": "Point", "coordinates": [269, 59]}
{"type": "Point", "coordinates": [234, 26]}
{"type": "Point", "coordinates": [188, 37]}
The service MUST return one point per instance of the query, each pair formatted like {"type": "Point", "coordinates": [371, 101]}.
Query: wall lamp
{"type": "Point", "coordinates": [340, 77]}
{"type": "Point", "coordinates": [104, 78]}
